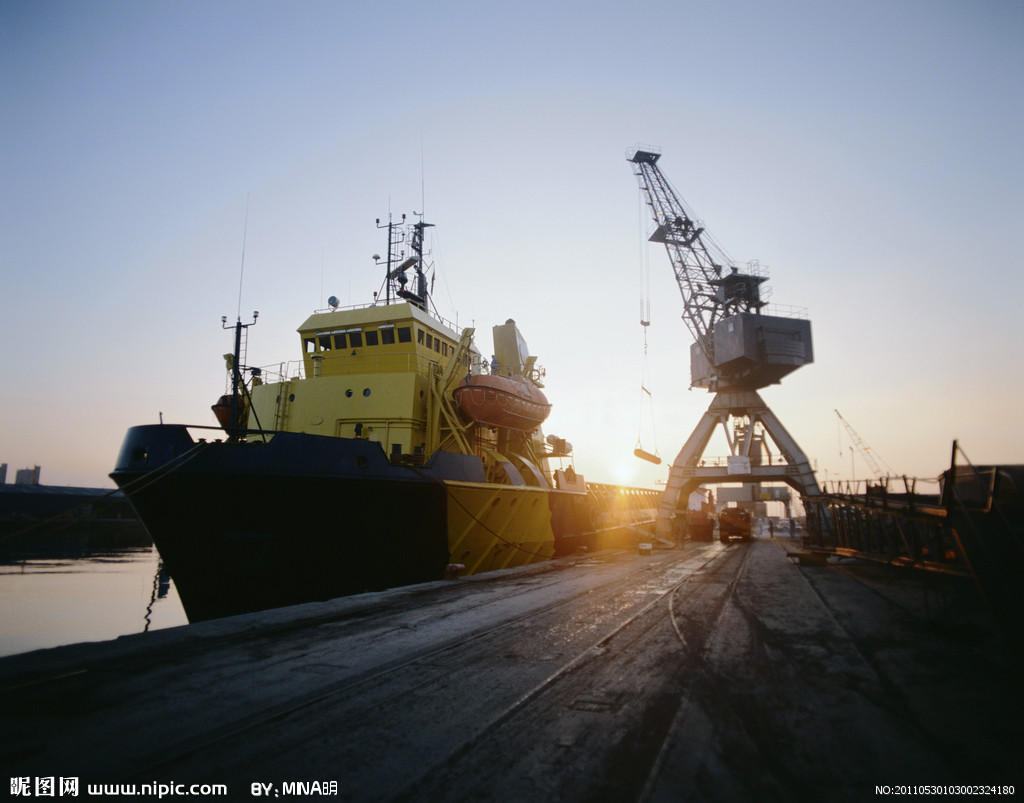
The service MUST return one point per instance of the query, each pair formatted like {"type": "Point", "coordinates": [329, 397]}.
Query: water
{"type": "Point", "coordinates": [64, 593]}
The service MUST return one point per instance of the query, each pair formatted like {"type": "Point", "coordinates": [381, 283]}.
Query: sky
{"type": "Point", "coordinates": [867, 153]}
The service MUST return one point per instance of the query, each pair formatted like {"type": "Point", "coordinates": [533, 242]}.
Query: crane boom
{"type": "Point", "coordinates": [710, 292]}
{"type": "Point", "coordinates": [752, 350]}
{"type": "Point", "coordinates": [861, 446]}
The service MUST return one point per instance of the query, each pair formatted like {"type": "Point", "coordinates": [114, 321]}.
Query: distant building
{"type": "Point", "coordinates": [3, 473]}
{"type": "Point", "coordinates": [27, 476]}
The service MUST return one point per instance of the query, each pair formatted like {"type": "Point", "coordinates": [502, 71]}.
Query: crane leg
{"type": "Point", "coordinates": [687, 475]}
{"type": "Point", "coordinates": [681, 481]}
{"type": "Point", "coordinates": [803, 480]}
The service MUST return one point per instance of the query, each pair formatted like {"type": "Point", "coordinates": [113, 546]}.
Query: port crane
{"type": "Point", "coordinates": [861, 447]}
{"type": "Point", "coordinates": [737, 350]}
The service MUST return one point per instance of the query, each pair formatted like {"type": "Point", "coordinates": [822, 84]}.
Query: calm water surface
{"type": "Point", "coordinates": [50, 599]}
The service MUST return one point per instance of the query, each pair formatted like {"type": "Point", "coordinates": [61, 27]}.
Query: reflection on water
{"type": "Point", "coordinates": [61, 593]}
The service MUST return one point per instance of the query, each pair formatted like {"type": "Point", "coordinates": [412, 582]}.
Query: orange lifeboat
{"type": "Point", "coordinates": [510, 402]}
{"type": "Point", "coordinates": [222, 409]}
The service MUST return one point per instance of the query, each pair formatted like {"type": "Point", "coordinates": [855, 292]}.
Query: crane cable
{"type": "Point", "coordinates": [645, 321]}
{"type": "Point", "coordinates": [639, 451]}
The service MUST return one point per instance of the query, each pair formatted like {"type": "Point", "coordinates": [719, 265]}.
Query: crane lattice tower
{"type": "Point", "coordinates": [737, 350]}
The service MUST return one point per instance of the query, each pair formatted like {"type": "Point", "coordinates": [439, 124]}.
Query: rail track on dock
{"type": "Point", "coordinates": [709, 672]}
{"type": "Point", "coordinates": [320, 645]}
{"type": "Point", "coordinates": [525, 664]}
{"type": "Point", "coordinates": [842, 674]}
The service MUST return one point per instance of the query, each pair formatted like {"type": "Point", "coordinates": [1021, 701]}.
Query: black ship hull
{"type": "Point", "coordinates": [243, 526]}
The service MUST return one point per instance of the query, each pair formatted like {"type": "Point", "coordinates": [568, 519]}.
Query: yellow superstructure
{"type": "Point", "coordinates": [385, 373]}
{"type": "Point", "coordinates": [372, 373]}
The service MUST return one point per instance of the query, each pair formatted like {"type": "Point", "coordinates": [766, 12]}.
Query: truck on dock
{"type": "Point", "coordinates": [734, 522]}
{"type": "Point", "coordinates": [700, 525]}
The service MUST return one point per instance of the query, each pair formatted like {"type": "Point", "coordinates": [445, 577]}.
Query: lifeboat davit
{"type": "Point", "coordinates": [510, 402]}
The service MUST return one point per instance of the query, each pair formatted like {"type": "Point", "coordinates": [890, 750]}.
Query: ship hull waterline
{"type": "Point", "coordinates": [243, 526]}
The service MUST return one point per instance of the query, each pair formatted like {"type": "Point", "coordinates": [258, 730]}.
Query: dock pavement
{"type": "Point", "coordinates": [709, 672]}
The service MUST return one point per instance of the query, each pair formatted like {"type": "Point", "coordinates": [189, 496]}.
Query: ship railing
{"type": "Point", "coordinates": [619, 504]}
{"type": "Point", "coordinates": [282, 372]}
{"type": "Point", "coordinates": [785, 311]}
{"type": "Point", "coordinates": [454, 326]}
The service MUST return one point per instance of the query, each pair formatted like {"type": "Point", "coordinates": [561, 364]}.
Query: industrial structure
{"type": "Point", "coordinates": [974, 527]}
{"type": "Point", "coordinates": [858, 446]}
{"type": "Point", "coordinates": [738, 349]}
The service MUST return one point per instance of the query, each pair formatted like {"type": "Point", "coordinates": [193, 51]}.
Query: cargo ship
{"type": "Point", "coordinates": [394, 453]}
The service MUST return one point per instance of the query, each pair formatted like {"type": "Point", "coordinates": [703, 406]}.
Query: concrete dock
{"type": "Point", "coordinates": [710, 672]}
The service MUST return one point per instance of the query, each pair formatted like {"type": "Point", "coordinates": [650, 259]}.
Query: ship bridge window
{"type": "Point", "coordinates": [437, 345]}
{"type": "Point", "coordinates": [310, 343]}
{"type": "Point", "coordinates": [371, 337]}
{"type": "Point", "coordinates": [404, 334]}
{"type": "Point", "coordinates": [387, 335]}
{"type": "Point", "coordinates": [355, 338]}
{"type": "Point", "coordinates": [419, 336]}
{"type": "Point", "coordinates": [325, 342]}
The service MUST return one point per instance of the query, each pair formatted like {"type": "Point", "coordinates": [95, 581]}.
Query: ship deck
{"type": "Point", "coordinates": [711, 672]}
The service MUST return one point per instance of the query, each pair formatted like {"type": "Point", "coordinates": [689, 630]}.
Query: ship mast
{"type": "Point", "coordinates": [396, 264]}
{"type": "Point", "coordinates": [235, 430]}
{"type": "Point", "coordinates": [392, 255]}
{"type": "Point", "coordinates": [419, 297]}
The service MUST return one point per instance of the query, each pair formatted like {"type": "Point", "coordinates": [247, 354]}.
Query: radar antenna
{"type": "Point", "coordinates": [397, 264]}
{"type": "Point", "coordinates": [737, 350]}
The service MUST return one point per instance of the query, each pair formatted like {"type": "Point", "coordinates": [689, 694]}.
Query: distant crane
{"type": "Point", "coordinates": [862, 448]}
{"type": "Point", "coordinates": [737, 351]}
